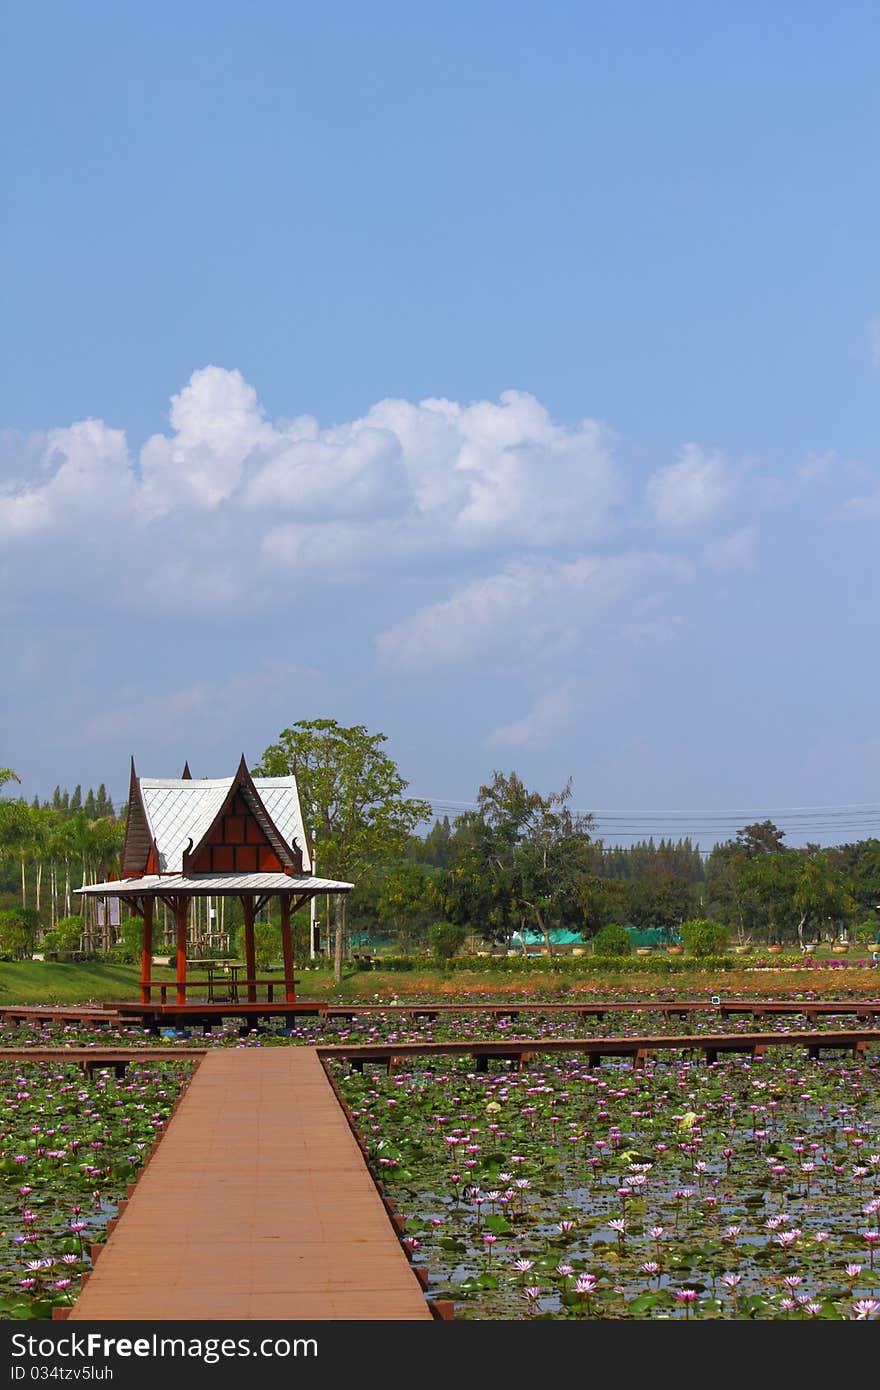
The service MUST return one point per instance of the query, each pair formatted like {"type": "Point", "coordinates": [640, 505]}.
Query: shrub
{"type": "Point", "coordinates": [865, 934]}
{"type": "Point", "coordinates": [703, 936]}
{"type": "Point", "coordinates": [446, 939]}
{"type": "Point", "coordinates": [68, 934]}
{"type": "Point", "coordinates": [18, 930]}
{"type": "Point", "coordinates": [612, 940]}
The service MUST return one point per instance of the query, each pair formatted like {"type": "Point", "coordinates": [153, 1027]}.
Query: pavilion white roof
{"type": "Point", "coordinates": [180, 809]}
{"type": "Point", "coordinates": [214, 885]}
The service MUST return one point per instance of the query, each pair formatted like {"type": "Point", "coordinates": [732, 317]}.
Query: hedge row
{"type": "Point", "coordinates": [564, 965]}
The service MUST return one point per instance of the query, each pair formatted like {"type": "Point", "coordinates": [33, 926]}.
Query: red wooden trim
{"type": "Point", "coordinates": [287, 952]}
{"type": "Point", "coordinates": [181, 913]}
{"type": "Point", "coordinates": [147, 951]}
{"type": "Point", "coordinates": [249, 950]}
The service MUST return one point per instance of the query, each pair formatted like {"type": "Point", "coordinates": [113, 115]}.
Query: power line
{"type": "Point", "coordinates": [820, 820]}
{"type": "Point", "coordinates": [636, 825]}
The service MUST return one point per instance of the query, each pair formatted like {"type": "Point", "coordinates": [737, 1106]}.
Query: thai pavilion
{"type": "Point", "coordinates": [237, 837]}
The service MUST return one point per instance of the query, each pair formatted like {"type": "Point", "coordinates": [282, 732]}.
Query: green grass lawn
{"type": "Point", "coordinates": [83, 982]}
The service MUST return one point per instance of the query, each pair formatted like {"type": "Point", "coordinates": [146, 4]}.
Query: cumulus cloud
{"type": "Point", "coordinates": [218, 427]}
{"type": "Point", "coordinates": [80, 475]}
{"type": "Point", "coordinates": [406, 480]}
{"type": "Point", "coordinates": [470, 476]}
{"type": "Point", "coordinates": [691, 491]}
{"type": "Point", "coordinates": [228, 512]}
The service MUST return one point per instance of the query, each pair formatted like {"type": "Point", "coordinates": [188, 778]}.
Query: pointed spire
{"type": "Point", "coordinates": [186, 774]}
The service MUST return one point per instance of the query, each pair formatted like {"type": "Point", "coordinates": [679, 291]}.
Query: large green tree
{"type": "Point", "coordinates": [769, 880]}
{"type": "Point", "coordinates": [532, 850]}
{"type": "Point", "coordinates": [408, 900]}
{"type": "Point", "coordinates": [352, 796]}
{"type": "Point", "coordinates": [822, 894]}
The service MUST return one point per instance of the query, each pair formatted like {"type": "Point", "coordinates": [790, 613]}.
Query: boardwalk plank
{"type": "Point", "coordinates": [256, 1205]}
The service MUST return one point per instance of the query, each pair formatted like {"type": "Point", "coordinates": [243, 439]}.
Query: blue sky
{"type": "Point", "coordinates": [501, 377]}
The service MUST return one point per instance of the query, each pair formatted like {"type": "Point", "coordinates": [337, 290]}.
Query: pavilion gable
{"type": "Point", "coordinates": [140, 853]}
{"type": "Point", "coordinates": [242, 836]}
{"type": "Point", "coordinates": [219, 825]}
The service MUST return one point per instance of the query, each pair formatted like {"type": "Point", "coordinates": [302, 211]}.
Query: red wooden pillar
{"type": "Point", "coordinates": [287, 950]}
{"type": "Point", "coordinates": [181, 909]}
{"type": "Point", "coordinates": [250, 955]}
{"type": "Point", "coordinates": [147, 951]}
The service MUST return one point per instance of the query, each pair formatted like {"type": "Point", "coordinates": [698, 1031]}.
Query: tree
{"type": "Point", "coordinates": [861, 863]}
{"type": "Point", "coordinates": [435, 849]}
{"type": "Point", "coordinates": [659, 902]}
{"type": "Point", "coordinates": [822, 894]}
{"type": "Point", "coordinates": [532, 849]}
{"type": "Point", "coordinates": [7, 775]}
{"type": "Point", "coordinates": [741, 875]}
{"type": "Point", "coordinates": [769, 881]}
{"type": "Point", "coordinates": [16, 836]}
{"type": "Point", "coordinates": [407, 899]}
{"type": "Point", "coordinates": [763, 837]}
{"type": "Point", "coordinates": [353, 793]}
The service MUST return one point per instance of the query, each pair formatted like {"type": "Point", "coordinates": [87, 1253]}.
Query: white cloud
{"type": "Point", "coordinates": [80, 476]}
{"type": "Point", "coordinates": [355, 473]}
{"type": "Point", "coordinates": [204, 707]}
{"type": "Point", "coordinates": [527, 611]}
{"type": "Point", "coordinates": [692, 491]}
{"type": "Point", "coordinates": [864, 508]}
{"type": "Point", "coordinates": [734, 552]}
{"type": "Point", "coordinates": [218, 427]}
{"type": "Point", "coordinates": [228, 511]}
{"type": "Point", "coordinates": [470, 476]}
{"type": "Point", "coordinates": [548, 718]}
{"type": "Point", "coordinates": [818, 468]}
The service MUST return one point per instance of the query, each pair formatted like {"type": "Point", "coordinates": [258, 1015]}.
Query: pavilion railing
{"type": "Point", "coordinates": [219, 989]}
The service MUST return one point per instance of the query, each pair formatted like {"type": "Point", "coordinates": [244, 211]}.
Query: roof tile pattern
{"type": "Point", "coordinates": [182, 809]}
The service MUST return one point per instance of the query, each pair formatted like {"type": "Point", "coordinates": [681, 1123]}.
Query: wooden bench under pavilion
{"type": "Point", "coordinates": [235, 837]}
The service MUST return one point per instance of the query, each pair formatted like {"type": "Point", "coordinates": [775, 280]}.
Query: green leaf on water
{"type": "Point", "coordinates": [644, 1302]}
{"type": "Point", "coordinates": [498, 1225]}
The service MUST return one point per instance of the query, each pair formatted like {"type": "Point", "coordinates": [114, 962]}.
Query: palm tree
{"type": "Point", "coordinates": [16, 826]}
{"type": "Point", "coordinates": [7, 775]}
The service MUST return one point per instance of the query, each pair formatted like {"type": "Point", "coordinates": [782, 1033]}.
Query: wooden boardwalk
{"type": "Point", "coordinates": [257, 1204]}
{"type": "Point", "coordinates": [399, 1055]}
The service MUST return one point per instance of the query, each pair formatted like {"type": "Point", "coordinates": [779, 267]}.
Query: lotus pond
{"type": "Point", "coordinates": [69, 1149]}
{"type": "Point", "coordinates": [743, 1189]}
